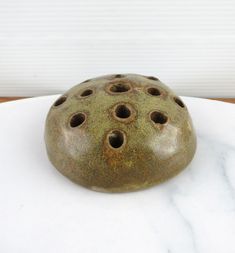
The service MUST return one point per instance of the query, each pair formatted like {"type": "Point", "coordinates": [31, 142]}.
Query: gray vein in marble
{"type": "Point", "coordinates": [187, 224]}
{"type": "Point", "coordinates": [221, 162]}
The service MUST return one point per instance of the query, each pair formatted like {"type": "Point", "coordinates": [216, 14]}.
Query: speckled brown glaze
{"type": "Point", "coordinates": [118, 133]}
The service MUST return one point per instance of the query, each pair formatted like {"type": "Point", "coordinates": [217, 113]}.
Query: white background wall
{"type": "Point", "coordinates": [48, 46]}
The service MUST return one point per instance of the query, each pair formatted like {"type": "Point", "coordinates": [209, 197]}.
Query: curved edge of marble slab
{"type": "Point", "coordinates": [42, 211]}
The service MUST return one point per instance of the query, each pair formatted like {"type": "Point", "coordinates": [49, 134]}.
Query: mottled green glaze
{"type": "Point", "coordinates": [148, 153]}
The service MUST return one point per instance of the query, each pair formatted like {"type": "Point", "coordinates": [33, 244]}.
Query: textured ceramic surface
{"type": "Point", "coordinates": [119, 133]}
{"type": "Point", "coordinates": [42, 211]}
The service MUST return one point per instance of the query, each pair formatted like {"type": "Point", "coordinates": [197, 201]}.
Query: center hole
{"type": "Point", "coordinates": [122, 111]}
{"type": "Point", "coordinates": [116, 139]}
{"type": "Point", "coordinates": [158, 117]}
{"type": "Point", "coordinates": [119, 76]}
{"type": "Point", "coordinates": [120, 87]}
{"type": "Point", "coordinates": [77, 119]}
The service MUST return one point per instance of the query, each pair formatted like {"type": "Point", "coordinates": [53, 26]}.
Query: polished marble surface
{"type": "Point", "coordinates": [42, 211]}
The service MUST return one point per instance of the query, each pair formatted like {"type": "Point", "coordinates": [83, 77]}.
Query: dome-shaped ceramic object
{"type": "Point", "coordinates": [119, 133]}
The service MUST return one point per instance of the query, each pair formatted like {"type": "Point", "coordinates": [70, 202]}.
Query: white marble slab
{"type": "Point", "coordinates": [42, 211]}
